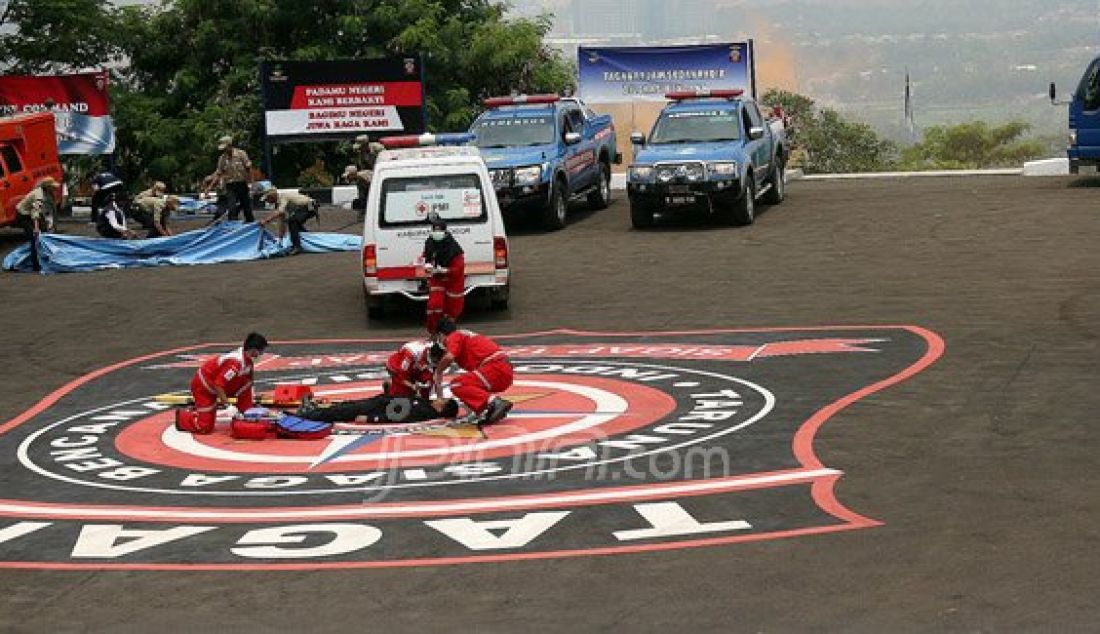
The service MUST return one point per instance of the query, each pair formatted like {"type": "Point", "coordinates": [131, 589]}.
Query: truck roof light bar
{"type": "Point", "coordinates": [517, 100]}
{"type": "Point", "coordinates": [681, 95]}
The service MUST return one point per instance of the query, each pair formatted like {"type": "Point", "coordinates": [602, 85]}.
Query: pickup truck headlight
{"type": "Point", "coordinates": [723, 170]}
{"type": "Point", "coordinates": [1073, 137]}
{"type": "Point", "coordinates": [641, 173]}
{"type": "Point", "coordinates": [694, 173]}
{"type": "Point", "coordinates": [528, 175]}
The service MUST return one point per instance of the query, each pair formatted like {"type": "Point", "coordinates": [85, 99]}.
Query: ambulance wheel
{"type": "Point", "coordinates": [553, 216]}
{"type": "Point", "coordinates": [600, 197]}
{"type": "Point", "coordinates": [376, 308]}
{"type": "Point", "coordinates": [498, 299]}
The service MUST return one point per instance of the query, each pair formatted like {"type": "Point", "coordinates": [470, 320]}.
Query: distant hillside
{"type": "Point", "coordinates": [989, 59]}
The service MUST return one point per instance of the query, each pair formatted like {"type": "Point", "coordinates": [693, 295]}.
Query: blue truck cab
{"type": "Point", "coordinates": [1084, 119]}
{"type": "Point", "coordinates": [543, 151]}
{"type": "Point", "coordinates": [710, 149]}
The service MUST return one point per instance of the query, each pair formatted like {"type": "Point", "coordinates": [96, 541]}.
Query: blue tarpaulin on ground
{"type": "Point", "coordinates": [223, 242]}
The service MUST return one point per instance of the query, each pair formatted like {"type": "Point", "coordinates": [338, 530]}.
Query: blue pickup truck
{"type": "Point", "coordinates": [710, 149]}
{"type": "Point", "coordinates": [543, 151]}
{"type": "Point", "coordinates": [1084, 119]}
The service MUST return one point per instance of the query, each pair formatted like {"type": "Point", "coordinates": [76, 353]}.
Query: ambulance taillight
{"type": "Point", "coordinates": [370, 261]}
{"type": "Point", "coordinates": [500, 252]}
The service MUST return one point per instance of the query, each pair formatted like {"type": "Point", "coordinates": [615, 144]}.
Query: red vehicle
{"type": "Point", "coordinates": [28, 153]}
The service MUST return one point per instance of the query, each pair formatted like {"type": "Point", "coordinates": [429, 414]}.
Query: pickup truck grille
{"type": "Point", "coordinates": [685, 172]}
{"type": "Point", "coordinates": [501, 178]}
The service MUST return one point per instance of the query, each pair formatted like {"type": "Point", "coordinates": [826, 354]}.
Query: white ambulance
{"type": "Point", "coordinates": [414, 177]}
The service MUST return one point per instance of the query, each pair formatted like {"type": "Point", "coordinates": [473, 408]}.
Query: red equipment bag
{"type": "Point", "coordinates": [291, 395]}
{"type": "Point", "coordinates": [243, 429]}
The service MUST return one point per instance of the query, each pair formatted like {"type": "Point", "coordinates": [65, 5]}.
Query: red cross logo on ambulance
{"type": "Point", "coordinates": [617, 443]}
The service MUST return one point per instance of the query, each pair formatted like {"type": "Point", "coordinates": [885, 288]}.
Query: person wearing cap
{"type": "Point", "coordinates": [147, 206]}
{"type": "Point", "coordinates": [31, 211]}
{"type": "Point", "coordinates": [156, 190]}
{"type": "Point", "coordinates": [292, 210]}
{"type": "Point", "coordinates": [157, 210]}
{"type": "Point", "coordinates": [235, 175]}
{"type": "Point", "coordinates": [361, 179]}
{"type": "Point", "coordinates": [445, 266]}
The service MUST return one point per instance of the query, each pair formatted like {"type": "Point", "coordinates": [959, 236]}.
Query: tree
{"type": "Point", "coordinates": [972, 145]}
{"type": "Point", "coordinates": [53, 36]}
{"type": "Point", "coordinates": [189, 69]}
{"type": "Point", "coordinates": [186, 90]}
{"type": "Point", "coordinates": [825, 141]}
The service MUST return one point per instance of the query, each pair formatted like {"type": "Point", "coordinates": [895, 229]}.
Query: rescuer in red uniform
{"type": "Point", "coordinates": [445, 264]}
{"type": "Point", "coordinates": [487, 371]}
{"type": "Point", "coordinates": [410, 370]}
{"type": "Point", "coordinates": [218, 379]}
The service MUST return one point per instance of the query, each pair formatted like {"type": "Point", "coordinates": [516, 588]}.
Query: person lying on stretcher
{"type": "Point", "coordinates": [380, 409]}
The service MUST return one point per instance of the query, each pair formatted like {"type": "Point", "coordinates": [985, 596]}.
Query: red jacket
{"type": "Point", "coordinates": [472, 350]}
{"type": "Point", "coordinates": [232, 372]}
{"type": "Point", "coordinates": [409, 364]}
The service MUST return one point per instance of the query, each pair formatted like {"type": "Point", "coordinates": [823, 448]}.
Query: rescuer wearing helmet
{"type": "Point", "coordinates": [445, 265]}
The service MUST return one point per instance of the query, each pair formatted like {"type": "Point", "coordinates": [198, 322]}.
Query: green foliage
{"type": "Point", "coordinates": [58, 35]}
{"type": "Point", "coordinates": [972, 145]}
{"type": "Point", "coordinates": [315, 176]}
{"type": "Point", "coordinates": [193, 65]}
{"type": "Point", "coordinates": [824, 141]}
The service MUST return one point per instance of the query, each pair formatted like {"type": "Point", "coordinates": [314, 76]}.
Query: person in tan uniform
{"type": "Point", "coordinates": [30, 213]}
{"type": "Point", "coordinates": [361, 179]}
{"type": "Point", "coordinates": [157, 190]}
{"type": "Point", "coordinates": [235, 174]}
{"type": "Point", "coordinates": [158, 210]}
{"type": "Point", "coordinates": [292, 210]}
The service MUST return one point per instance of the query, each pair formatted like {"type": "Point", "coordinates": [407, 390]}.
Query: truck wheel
{"type": "Point", "coordinates": [778, 190]}
{"type": "Point", "coordinates": [553, 216]}
{"type": "Point", "coordinates": [741, 211]}
{"type": "Point", "coordinates": [600, 197]}
{"type": "Point", "coordinates": [641, 213]}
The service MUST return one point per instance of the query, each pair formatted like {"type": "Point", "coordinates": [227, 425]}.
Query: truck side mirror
{"type": "Point", "coordinates": [1053, 92]}
{"type": "Point", "coordinates": [756, 132]}
{"type": "Point", "coordinates": [637, 138]}
{"type": "Point", "coordinates": [572, 138]}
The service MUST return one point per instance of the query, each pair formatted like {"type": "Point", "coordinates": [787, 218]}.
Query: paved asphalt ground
{"type": "Point", "coordinates": [983, 468]}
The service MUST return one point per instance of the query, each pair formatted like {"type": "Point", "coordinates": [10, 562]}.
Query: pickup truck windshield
{"type": "Point", "coordinates": [513, 131]}
{"type": "Point", "coordinates": [696, 126]}
{"type": "Point", "coordinates": [455, 197]}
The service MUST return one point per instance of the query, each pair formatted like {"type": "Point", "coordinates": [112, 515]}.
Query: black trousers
{"type": "Point", "coordinates": [240, 200]}
{"type": "Point", "coordinates": [26, 223]}
{"type": "Point", "coordinates": [377, 409]}
{"type": "Point", "coordinates": [296, 224]}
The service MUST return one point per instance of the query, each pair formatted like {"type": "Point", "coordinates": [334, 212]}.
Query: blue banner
{"type": "Point", "coordinates": [624, 74]}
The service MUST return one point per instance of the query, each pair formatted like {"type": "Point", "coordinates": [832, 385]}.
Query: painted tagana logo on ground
{"type": "Point", "coordinates": [618, 442]}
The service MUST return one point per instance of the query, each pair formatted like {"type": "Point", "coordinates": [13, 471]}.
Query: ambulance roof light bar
{"type": "Point", "coordinates": [682, 95]}
{"type": "Point", "coordinates": [519, 100]}
{"type": "Point", "coordinates": [425, 140]}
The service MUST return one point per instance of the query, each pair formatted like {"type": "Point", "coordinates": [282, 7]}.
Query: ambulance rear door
{"type": "Point", "coordinates": [406, 200]}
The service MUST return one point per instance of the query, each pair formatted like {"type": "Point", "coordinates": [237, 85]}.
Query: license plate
{"type": "Point", "coordinates": [681, 200]}
{"type": "Point", "coordinates": [679, 189]}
